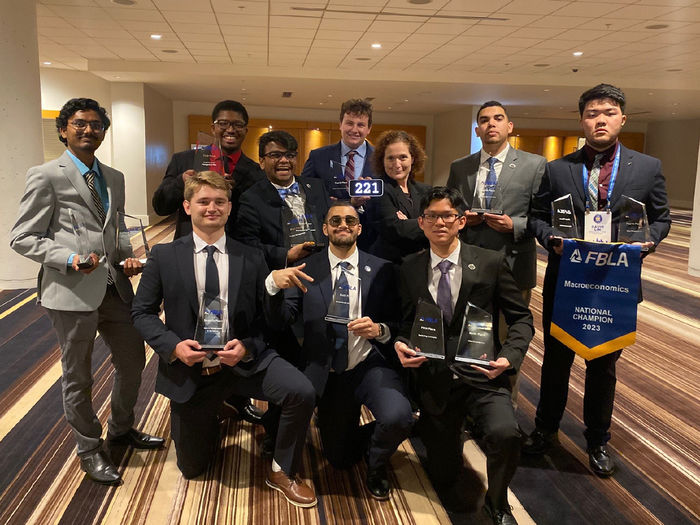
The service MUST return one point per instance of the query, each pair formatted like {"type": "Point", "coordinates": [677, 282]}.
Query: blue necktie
{"type": "Point", "coordinates": [491, 180]}
{"type": "Point", "coordinates": [340, 357]}
{"type": "Point", "coordinates": [211, 283]}
{"type": "Point", "coordinates": [444, 291]}
{"type": "Point", "coordinates": [292, 190]}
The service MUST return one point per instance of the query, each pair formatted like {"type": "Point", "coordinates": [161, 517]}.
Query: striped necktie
{"type": "Point", "coordinates": [350, 166]}
{"type": "Point", "coordinates": [97, 201]}
{"type": "Point", "coordinates": [593, 182]}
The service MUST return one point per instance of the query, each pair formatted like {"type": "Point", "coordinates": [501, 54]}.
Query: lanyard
{"type": "Point", "coordinates": [611, 185]}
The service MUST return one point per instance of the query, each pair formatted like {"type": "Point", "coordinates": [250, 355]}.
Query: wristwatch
{"type": "Point", "coordinates": [382, 330]}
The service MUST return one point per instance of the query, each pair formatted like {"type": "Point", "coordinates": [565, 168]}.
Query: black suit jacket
{"type": "Point", "coordinates": [397, 238]}
{"type": "Point", "coordinates": [169, 196]}
{"type": "Point", "coordinates": [639, 177]}
{"type": "Point", "coordinates": [379, 302]}
{"type": "Point", "coordinates": [260, 218]}
{"type": "Point", "coordinates": [169, 277]}
{"type": "Point", "coordinates": [488, 283]}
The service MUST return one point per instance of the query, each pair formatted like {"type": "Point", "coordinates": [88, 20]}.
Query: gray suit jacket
{"type": "Point", "coordinates": [517, 184]}
{"type": "Point", "coordinates": [44, 233]}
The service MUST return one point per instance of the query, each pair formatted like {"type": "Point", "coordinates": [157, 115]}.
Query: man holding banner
{"type": "Point", "coordinates": [602, 193]}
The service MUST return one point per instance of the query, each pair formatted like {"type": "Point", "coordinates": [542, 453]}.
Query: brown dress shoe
{"type": "Point", "coordinates": [295, 490]}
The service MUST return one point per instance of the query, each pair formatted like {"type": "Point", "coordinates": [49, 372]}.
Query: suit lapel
{"type": "Point", "coordinates": [624, 175]}
{"type": "Point", "coordinates": [110, 183]}
{"type": "Point", "coordinates": [235, 275]}
{"type": "Point", "coordinates": [470, 264]}
{"type": "Point", "coordinates": [472, 165]}
{"type": "Point", "coordinates": [325, 281]}
{"type": "Point", "coordinates": [184, 259]}
{"type": "Point", "coordinates": [366, 273]}
{"type": "Point", "coordinates": [70, 170]}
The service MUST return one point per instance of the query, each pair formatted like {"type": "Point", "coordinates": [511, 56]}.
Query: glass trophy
{"type": "Point", "coordinates": [339, 309]}
{"type": "Point", "coordinates": [427, 333]}
{"type": "Point", "coordinates": [205, 158]}
{"type": "Point", "coordinates": [81, 242]}
{"type": "Point", "coordinates": [476, 345]}
{"type": "Point", "coordinates": [483, 197]}
{"type": "Point", "coordinates": [212, 323]}
{"type": "Point", "coordinates": [131, 237]}
{"type": "Point", "coordinates": [564, 217]}
{"type": "Point", "coordinates": [338, 185]}
{"type": "Point", "coordinates": [634, 225]}
{"type": "Point", "coordinates": [298, 229]}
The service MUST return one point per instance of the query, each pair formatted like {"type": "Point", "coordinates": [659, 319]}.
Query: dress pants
{"type": "Point", "coordinates": [493, 412]}
{"type": "Point", "coordinates": [76, 333]}
{"type": "Point", "coordinates": [377, 386]}
{"type": "Point", "coordinates": [195, 428]}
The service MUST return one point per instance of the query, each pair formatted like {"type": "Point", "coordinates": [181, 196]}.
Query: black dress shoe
{"type": "Point", "coordinates": [99, 468]}
{"type": "Point", "coordinates": [377, 483]}
{"type": "Point", "coordinates": [600, 461]}
{"type": "Point", "coordinates": [500, 516]}
{"type": "Point", "coordinates": [136, 439]}
{"type": "Point", "coordinates": [538, 442]}
{"type": "Point", "coordinates": [246, 410]}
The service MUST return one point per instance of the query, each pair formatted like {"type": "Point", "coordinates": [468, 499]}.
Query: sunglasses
{"type": "Point", "coordinates": [337, 220]}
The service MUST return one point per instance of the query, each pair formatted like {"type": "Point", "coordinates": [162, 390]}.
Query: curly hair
{"type": "Point", "coordinates": [357, 106]}
{"type": "Point", "coordinates": [396, 135]}
{"type": "Point", "coordinates": [74, 105]}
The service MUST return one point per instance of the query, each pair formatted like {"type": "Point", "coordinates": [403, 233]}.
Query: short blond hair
{"type": "Point", "coordinates": [206, 178]}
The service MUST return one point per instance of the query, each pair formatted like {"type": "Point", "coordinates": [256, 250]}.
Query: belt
{"type": "Point", "coordinates": [211, 370]}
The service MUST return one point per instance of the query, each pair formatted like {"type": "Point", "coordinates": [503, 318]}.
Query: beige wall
{"type": "Point", "coordinates": [159, 141]}
{"type": "Point", "coordinates": [452, 136]}
{"type": "Point", "coordinates": [676, 144]}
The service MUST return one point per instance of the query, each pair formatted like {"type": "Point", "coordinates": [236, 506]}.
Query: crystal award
{"type": "Point", "coordinates": [212, 323]}
{"type": "Point", "coordinates": [633, 224]}
{"type": "Point", "coordinates": [131, 238]}
{"type": "Point", "coordinates": [427, 333]}
{"type": "Point", "coordinates": [564, 217]}
{"type": "Point", "coordinates": [475, 344]}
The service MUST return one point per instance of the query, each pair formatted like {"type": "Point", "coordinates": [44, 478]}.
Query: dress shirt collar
{"type": "Point", "coordinates": [278, 187]}
{"type": "Point", "coordinates": [607, 154]}
{"type": "Point", "coordinates": [361, 151]}
{"type": "Point", "coordinates": [353, 259]}
{"type": "Point", "coordinates": [453, 257]}
{"type": "Point", "coordinates": [501, 156]}
{"type": "Point", "coordinates": [200, 245]}
{"type": "Point", "coordinates": [82, 168]}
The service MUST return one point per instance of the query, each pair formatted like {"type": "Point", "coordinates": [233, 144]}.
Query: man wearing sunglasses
{"type": "Point", "coordinates": [450, 275]}
{"type": "Point", "coordinates": [350, 364]}
{"type": "Point", "coordinates": [229, 127]}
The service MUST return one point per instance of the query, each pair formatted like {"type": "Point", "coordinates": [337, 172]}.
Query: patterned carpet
{"type": "Point", "coordinates": [655, 437]}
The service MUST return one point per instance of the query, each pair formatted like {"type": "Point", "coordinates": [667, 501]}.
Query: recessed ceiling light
{"type": "Point", "coordinates": [536, 65]}
{"type": "Point", "coordinates": [546, 90]}
{"type": "Point", "coordinates": [376, 45]}
{"type": "Point", "coordinates": [650, 93]}
{"type": "Point", "coordinates": [674, 69]}
{"type": "Point", "coordinates": [389, 107]}
{"type": "Point", "coordinates": [363, 59]}
{"type": "Point", "coordinates": [117, 77]}
{"type": "Point", "coordinates": [577, 53]}
{"type": "Point", "coordinates": [124, 2]}
{"type": "Point", "coordinates": [676, 103]}
{"type": "Point", "coordinates": [156, 37]}
{"type": "Point", "coordinates": [169, 50]}
{"type": "Point", "coordinates": [656, 26]}
{"type": "Point", "coordinates": [320, 103]}
{"type": "Point", "coordinates": [244, 89]}
{"type": "Point", "coordinates": [405, 100]}
{"type": "Point", "coordinates": [329, 96]}
{"type": "Point", "coordinates": [419, 2]}
{"type": "Point", "coordinates": [46, 63]}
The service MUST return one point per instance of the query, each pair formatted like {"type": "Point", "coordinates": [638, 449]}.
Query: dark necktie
{"type": "Point", "coordinates": [444, 291]}
{"type": "Point", "coordinates": [97, 201]}
{"type": "Point", "coordinates": [292, 190]}
{"type": "Point", "coordinates": [593, 182]}
{"type": "Point", "coordinates": [491, 180]}
{"type": "Point", "coordinates": [211, 284]}
{"type": "Point", "coordinates": [340, 357]}
{"type": "Point", "coordinates": [350, 166]}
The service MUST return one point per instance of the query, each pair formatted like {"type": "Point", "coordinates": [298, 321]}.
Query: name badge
{"type": "Point", "coordinates": [598, 226]}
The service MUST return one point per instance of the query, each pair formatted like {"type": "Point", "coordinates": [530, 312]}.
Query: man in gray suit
{"type": "Point", "coordinates": [85, 292]}
{"type": "Point", "coordinates": [517, 176]}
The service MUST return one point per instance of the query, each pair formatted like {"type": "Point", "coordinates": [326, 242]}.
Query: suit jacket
{"type": "Point", "coordinates": [169, 277]}
{"type": "Point", "coordinates": [44, 233]}
{"type": "Point", "coordinates": [639, 177]}
{"type": "Point", "coordinates": [517, 184]}
{"type": "Point", "coordinates": [379, 301]}
{"type": "Point", "coordinates": [260, 218]}
{"type": "Point", "coordinates": [169, 196]}
{"type": "Point", "coordinates": [397, 238]}
{"type": "Point", "coordinates": [488, 283]}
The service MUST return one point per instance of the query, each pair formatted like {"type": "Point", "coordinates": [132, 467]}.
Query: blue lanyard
{"type": "Point", "coordinates": [611, 185]}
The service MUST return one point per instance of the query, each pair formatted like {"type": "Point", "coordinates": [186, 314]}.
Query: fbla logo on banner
{"type": "Point", "coordinates": [595, 302]}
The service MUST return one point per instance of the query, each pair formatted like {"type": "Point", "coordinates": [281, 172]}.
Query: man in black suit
{"type": "Point", "coordinates": [229, 127]}
{"type": "Point", "coordinates": [452, 274]}
{"type": "Point", "coordinates": [351, 364]}
{"type": "Point", "coordinates": [618, 171]}
{"type": "Point", "coordinates": [348, 159]}
{"type": "Point", "coordinates": [183, 275]}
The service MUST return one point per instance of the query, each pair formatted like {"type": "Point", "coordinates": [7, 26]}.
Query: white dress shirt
{"type": "Point", "coordinates": [455, 274]}
{"type": "Point", "coordinates": [295, 202]}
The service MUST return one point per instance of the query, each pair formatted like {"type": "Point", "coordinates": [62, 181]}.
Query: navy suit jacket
{"type": "Point", "coordinates": [379, 302]}
{"type": "Point", "coordinates": [169, 277]}
{"type": "Point", "coordinates": [260, 218]}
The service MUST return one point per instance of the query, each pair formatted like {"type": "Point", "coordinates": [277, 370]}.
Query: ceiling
{"type": "Point", "coordinates": [435, 55]}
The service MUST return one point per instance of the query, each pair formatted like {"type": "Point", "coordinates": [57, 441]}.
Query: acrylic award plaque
{"type": "Point", "coordinates": [476, 345]}
{"type": "Point", "coordinates": [206, 157]}
{"type": "Point", "coordinates": [427, 333]}
{"type": "Point", "coordinates": [212, 323]}
{"type": "Point", "coordinates": [131, 237]}
{"type": "Point", "coordinates": [339, 309]}
{"type": "Point", "coordinates": [633, 223]}
{"type": "Point", "coordinates": [81, 241]}
{"type": "Point", "coordinates": [338, 187]}
{"type": "Point", "coordinates": [298, 229]}
{"type": "Point", "coordinates": [564, 217]}
{"type": "Point", "coordinates": [483, 198]}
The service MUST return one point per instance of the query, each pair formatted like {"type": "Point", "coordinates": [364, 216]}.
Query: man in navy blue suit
{"type": "Point", "coordinates": [348, 159]}
{"type": "Point", "coordinates": [351, 364]}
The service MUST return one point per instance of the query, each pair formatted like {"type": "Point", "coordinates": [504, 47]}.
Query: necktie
{"type": "Point", "coordinates": [350, 166]}
{"type": "Point", "coordinates": [340, 357]}
{"type": "Point", "coordinates": [593, 182]}
{"type": "Point", "coordinates": [211, 283]}
{"type": "Point", "coordinates": [292, 190]}
{"type": "Point", "coordinates": [97, 201]}
{"type": "Point", "coordinates": [444, 291]}
{"type": "Point", "coordinates": [491, 181]}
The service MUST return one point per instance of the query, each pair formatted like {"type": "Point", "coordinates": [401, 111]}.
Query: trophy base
{"type": "Point", "coordinates": [430, 356]}
{"type": "Point", "coordinates": [478, 362]}
{"type": "Point", "coordinates": [338, 320]}
{"type": "Point", "coordinates": [142, 261]}
{"type": "Point", "coordinates": [481, 211]}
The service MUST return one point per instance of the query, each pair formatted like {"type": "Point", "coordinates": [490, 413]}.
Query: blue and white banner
{"type": "Point", "coordinates": [595, 302]}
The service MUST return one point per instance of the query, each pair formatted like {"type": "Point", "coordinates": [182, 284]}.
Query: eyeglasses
{"type": "Point", "coordinates": [277, 155]}
{"type": "Point", "coordinates": [448, 218]}
{"type": "Point", "coordinates": [337, 220]}
{"type": "Point", "coordinates": [80, 125]}
{"type": "Point", "coordinates": [223, 125]}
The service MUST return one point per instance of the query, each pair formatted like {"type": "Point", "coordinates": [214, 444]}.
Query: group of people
{"type": "Point", "coordinates": [371, 260]}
